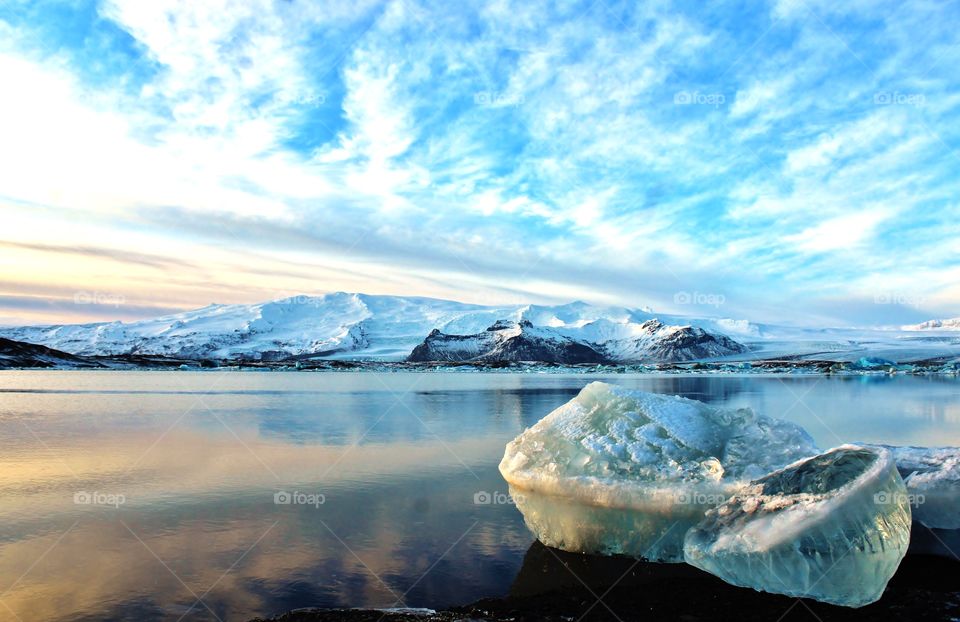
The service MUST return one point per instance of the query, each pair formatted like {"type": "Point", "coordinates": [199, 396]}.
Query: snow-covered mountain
{"type": "Point", "coordinates": [951, 324]}
{"type": "Point", "coordinates": [655, 341]}
{"type": "Point", "coordinates": [340, 323]}
{"type": "Point", "coordinates": [360, 326]}
{"type": "Point", "coordinates": [601, 340]}
{"type": "Point", "coordinates": [344, 325]}
{"type": "Point", "coordinates": [507, 341]}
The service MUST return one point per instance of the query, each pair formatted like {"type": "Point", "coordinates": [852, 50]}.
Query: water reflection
{"type": "Point", "coordinates": [198, 458]}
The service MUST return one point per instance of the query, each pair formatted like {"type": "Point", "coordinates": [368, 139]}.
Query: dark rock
{"type": "Point", "coordinates": [22, 354]}
{"type": "Point", "coordinates": [506, 341]}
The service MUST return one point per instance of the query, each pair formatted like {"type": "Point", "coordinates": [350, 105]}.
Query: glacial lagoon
{"type": "Point", "coordinates": [198, 495]}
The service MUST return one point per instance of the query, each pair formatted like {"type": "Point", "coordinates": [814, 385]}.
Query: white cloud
{"type": "Point", "coordinates": [573, 161]}
{"type": "Point", "coordinates": [762, 95]}
{"type": "Point", "coordinates": [859, 137]}
{"type": "Point", "coordinates": [843, 232]}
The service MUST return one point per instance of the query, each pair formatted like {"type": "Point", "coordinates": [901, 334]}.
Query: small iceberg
{"type": "Point", "coordinates": [873, 362]}
{"type": "Point", "coordinates": [833, 527]}
{"type": "Point", "coordinates": [932, 478]}
{"type": "Point", "coordinates": [748, 498]}
{"type": "Point", "coordinates": [616, 471]}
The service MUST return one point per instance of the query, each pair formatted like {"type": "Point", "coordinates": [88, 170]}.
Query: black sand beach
{"type": "Point", "coordinates": [557, 586]}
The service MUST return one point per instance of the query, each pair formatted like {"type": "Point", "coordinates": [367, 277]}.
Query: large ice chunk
{"type": "Point", "coordinates": [833, 527]}
{"type": "Point", "coordinates": [932, 477]}
{"type": "Point", "coordinates": [616, 471]}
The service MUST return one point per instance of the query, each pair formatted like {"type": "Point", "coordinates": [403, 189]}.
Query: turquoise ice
{"type": "Point", "coordinates": [615, 471]}
{"type": "Point", "coordinates": [833, 527]}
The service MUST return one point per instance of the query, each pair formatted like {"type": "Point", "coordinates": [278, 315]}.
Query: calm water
{"type": "Point", "coordinates": [186, 466]}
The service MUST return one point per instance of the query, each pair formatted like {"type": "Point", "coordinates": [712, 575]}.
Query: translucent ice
{"type": "Point", "coordinates": [873, 362]}
{"type": "Point", "coordinates": [833, 527]}
{"type": "Point", "coordinates": [932, 477]}
{"type": "Point", "coordinates": [619, 471]}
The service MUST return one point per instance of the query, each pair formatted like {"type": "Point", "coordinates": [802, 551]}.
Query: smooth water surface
{"type": "Point", "coordinates": [160, 495]}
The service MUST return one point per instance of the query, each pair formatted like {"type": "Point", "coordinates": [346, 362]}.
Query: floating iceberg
{"type": "Point", "coordinates": [615, 471]}
{"type": "Point", "coordinates": [932, 477]}
{"type": "Point", "coordinates": [873, 362]}
{"type": "Point", "coordinates": [833, 527]}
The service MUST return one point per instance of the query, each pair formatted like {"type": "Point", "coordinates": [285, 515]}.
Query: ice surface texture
{"type": "Point", "coordinates": [833, 527]}
{"type": "Point", "coordinates": [932, 477]}
{"type": "Point", "coordinates": [619, 471]}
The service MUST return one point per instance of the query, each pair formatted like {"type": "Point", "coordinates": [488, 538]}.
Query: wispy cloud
{"type": "Point", "coordinates": [773, 152]}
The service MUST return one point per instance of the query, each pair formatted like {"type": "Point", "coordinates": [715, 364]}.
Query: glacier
{"type": "Point", "coordinates": [833, 527]}
{"type": "Point", "coordinates": [616, 471]}
{"type": "Point", "coordinates": [950, 324]}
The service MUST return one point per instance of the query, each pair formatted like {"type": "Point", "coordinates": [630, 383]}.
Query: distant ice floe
{"type": "Point", "coordinates": [746, 497]}
{"type": "Point", "coordinates": [932, 478]}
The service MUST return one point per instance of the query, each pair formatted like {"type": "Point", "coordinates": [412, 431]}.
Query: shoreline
{"type": "Point", "coordinates": [556, 586]}
{"type": "Point", "coordinates": [767, 367]}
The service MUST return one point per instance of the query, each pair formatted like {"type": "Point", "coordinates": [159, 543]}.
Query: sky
{"type": "Point", "coordinates": [793, 160]}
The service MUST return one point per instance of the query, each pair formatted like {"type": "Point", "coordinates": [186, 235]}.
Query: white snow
{"type": "Point", "coordinates": [619, 471]}
{"type": "Point", "coordinates": [935, 325]}
{"type": "Point", "coordinates": [738, 328]}
{"type": "Point", "coordinates": [345, 325]}
{"type": "Point", "coordinates": [339, 325]}
{"type": "Point", "coordinates": [833, 527]}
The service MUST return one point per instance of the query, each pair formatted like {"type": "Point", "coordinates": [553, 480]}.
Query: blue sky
{"type": "Point", "coordinates": [790, 161]}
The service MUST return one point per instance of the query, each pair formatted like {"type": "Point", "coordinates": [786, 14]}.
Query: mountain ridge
{"type": "Point", "coordinates": [356, 326]}
{"type": "Point", "coordinates": [18, 354]}
{"type": "Point", "coordinates": [341, 325]}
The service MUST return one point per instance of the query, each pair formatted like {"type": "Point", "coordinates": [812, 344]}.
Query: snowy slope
{"type": "Point", "coordinates": [655, 341]}
{"type": "Point", "coordinates": [339, 323]}
{"type": "Point", "coordinates": [850, 344]}
{"type": "Point", "coordinates": [509, 341]}
{"type": "Point", "coordinates": [931, 325]}
{"type": "Point", "coordinates": [360, 326]}
{"type": "Point", "coordinates": [599, 340]}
